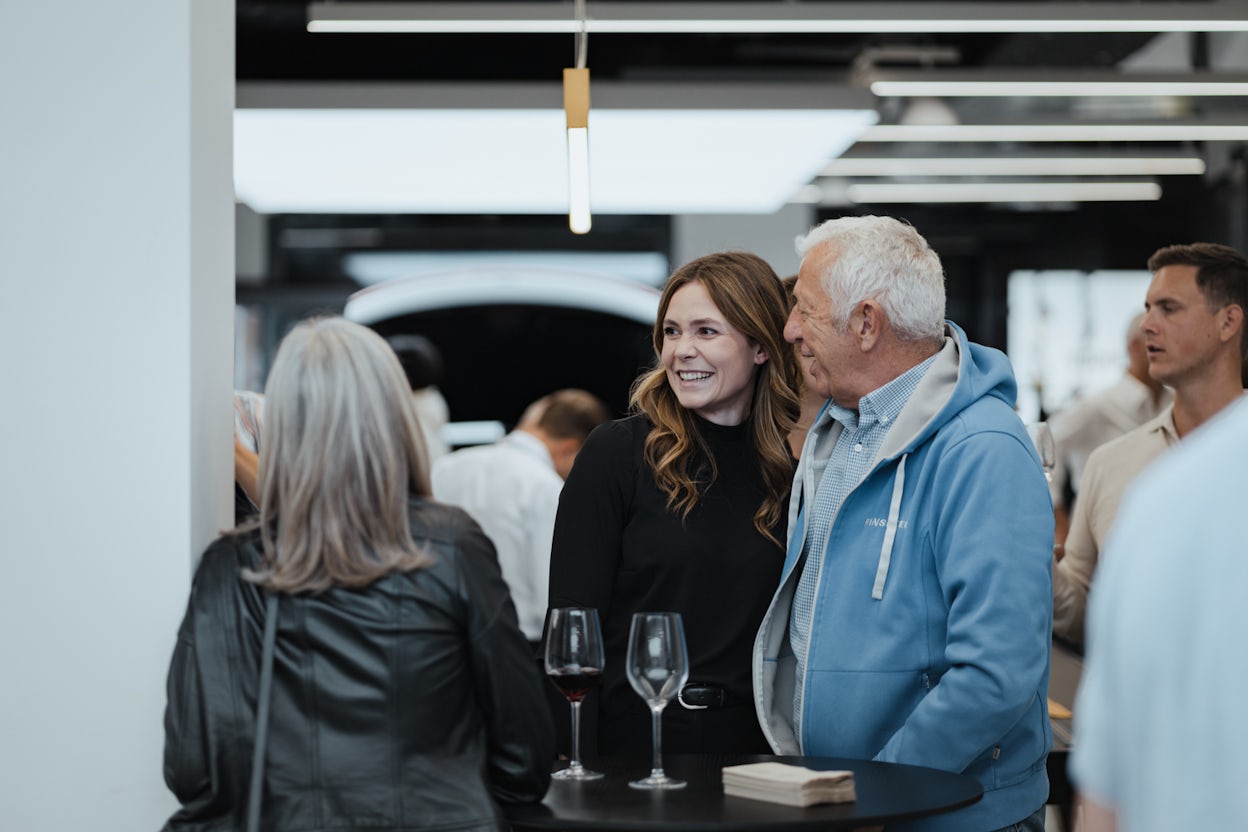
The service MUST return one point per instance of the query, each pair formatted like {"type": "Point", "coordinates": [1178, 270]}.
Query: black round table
{"type": "Point", "coordinates": [886, 793]}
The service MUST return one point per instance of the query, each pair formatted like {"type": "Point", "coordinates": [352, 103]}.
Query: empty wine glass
{"type": "Point", "coordinates": [658, 666]}
{"type": "Point", "coordinates": [1042, 437]}
{"type": "Point", "coordinates": [574, 662]}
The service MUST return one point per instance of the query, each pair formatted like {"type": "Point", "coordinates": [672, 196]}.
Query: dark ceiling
{"type": "Point", "coordinates": [273, 45]}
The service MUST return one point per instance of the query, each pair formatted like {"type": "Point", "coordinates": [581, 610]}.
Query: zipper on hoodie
{"type": "Point", "coordinates": [882, 571]}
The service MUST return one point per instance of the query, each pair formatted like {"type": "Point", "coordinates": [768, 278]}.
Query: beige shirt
{"type": "Point", "coordinates": [1089, 423]}
{"type": "Point", "coordinates": [1110, 469]}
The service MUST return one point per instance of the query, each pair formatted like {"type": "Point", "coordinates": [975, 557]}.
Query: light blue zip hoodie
{"type": "Point", "coordinates": [930, 634]}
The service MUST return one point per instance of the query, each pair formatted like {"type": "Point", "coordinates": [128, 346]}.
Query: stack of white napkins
{"type": "Point", "coordinates": [791, 785]}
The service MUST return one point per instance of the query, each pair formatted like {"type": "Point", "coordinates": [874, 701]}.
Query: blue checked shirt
{"type": "Point", "coordinates": [862, 435]}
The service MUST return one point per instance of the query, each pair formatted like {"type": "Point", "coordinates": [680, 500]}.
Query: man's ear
{"type": "Point", "coordinates": [1232, 322]}
{"type": "Point", "coordinates": [869, 324]}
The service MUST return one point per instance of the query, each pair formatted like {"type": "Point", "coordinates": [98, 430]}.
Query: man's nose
{"type": "Point", "coordinates": [793, 328]}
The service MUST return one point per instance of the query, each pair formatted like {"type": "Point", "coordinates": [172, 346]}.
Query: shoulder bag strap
{"type": "Point", "coordinates": [262, 715]}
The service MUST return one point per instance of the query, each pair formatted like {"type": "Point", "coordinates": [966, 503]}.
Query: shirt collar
{"type": "Point", "coordinates": [883, 405]}
{"type": "Point", "coordinates": [531, 445]}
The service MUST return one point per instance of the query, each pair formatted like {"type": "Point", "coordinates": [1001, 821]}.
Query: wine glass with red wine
{"type": "Point", "coordinates": [574, 661]}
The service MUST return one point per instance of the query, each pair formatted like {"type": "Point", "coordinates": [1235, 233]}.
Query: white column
{"type": "Point", "coordinates": [116, 261]}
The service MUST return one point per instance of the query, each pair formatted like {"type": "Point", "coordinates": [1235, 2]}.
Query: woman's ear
{"type": "Point", "coordinates": [760, 354]}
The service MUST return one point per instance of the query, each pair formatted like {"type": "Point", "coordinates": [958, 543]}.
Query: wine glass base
{"type": "Point", "coordinates": [576, 774]}
{"type": "Point", "coordinates": [657, 781]}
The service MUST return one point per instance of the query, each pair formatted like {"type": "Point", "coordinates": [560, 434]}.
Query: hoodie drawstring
{"type": "Point", "coordinates": [890, 533]}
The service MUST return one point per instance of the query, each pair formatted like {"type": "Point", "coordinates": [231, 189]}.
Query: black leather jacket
{"type": "Point", "coordinates": [413, 703]}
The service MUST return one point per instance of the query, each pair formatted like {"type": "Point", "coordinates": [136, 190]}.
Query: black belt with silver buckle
{"type": "Point", "coordinates": [696, 696]}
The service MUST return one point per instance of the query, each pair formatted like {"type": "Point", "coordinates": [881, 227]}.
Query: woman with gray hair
{"type": "Point", "coordinates": [402, 693]}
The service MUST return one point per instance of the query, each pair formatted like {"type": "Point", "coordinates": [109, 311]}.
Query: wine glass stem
{"type": "Point", "coordinates": [576, 735]}
{"type": "Point", "coordinates": [656, 770]}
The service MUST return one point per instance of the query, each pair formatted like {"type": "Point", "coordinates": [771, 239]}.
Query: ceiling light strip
{"type": "Point", "coordinates": [1055, 133]}
{"type": "Point", "coordinates": [1019, 166]}
{"type": "Point", "coordinates": [440, 161]}
{"type": "Point", "coordinates": [1016, 192]}
{"type": "Point", "coordinates": [443, 18]}
{"type": "Point", "coordinates": [778, 18]}
{"type": "Point", "coordinates": [1003, 88]}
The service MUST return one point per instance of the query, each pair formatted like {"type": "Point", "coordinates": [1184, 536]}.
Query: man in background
{"type": "Point", "coordinates": [512, 489]}
{"type": "Point", "coordinates": [1090, 422]}
{"type": "Point", "coordinates": [1194, 336]}
{"type": "Point", "coordinates": [1160, 714]}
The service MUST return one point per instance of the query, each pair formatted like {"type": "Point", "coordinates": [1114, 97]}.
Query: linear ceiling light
{"type": "Point", "coordinates": [513, 161]}
{"type": "Point", "coordinates": [1016, 192]}
{"type": "Point", "coordinates": [954, 84]}
{"type": "Point", "coordinates": [778, 18]}
{"type": "Point", "coordinates": [1190, 132]}
{"type": "Point", "coordinates": [655, 148]}
{"type": "Point", "coordinates": [1016, 166]}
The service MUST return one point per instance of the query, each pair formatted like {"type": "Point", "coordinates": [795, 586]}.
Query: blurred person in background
{"type": "Point", "coordinates": [1160, 716]}
{"type": "Point", "coordinates": [422, 363]}
{"type": "Point", "coordinates": [1194, 336]}
{"type": "Point", "coordinates": [681, 506]}
{"type": "Point", "coordinates": [512, 489]}
{"type": "Point", "coordinates": [404, 695]}
{"type": "Point", "coordinates": [248, 422]}
{"type": "Point", "coordinates": [1090, 422]}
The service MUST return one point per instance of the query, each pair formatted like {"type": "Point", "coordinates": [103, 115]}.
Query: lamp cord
{"type": "Point", "coordinates": [582, 37]}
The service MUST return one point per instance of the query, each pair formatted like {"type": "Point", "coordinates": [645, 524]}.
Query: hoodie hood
{"type": "Point", "coordinates": [962, 374]}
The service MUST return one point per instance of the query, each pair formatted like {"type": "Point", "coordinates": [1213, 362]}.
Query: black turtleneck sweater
{"type": "Point", "coordinates": [617, 547]}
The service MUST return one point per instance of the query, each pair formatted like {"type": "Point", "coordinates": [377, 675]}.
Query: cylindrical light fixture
{"type": "Point", "coordinates": [576, 108]}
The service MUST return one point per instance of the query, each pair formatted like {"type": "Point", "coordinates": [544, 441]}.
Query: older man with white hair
{"type": "Point", "coordinates": [912, 620]}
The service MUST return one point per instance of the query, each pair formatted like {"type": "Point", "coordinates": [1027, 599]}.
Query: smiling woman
{"type": "Point", "coordinates": [680, 506]}
{"type": "Point", "coordinates": [709, 362]}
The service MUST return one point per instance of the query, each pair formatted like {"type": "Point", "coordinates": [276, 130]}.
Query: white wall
{"type": "Point", "coordinates": [770, 236]}
{"type": "Point", "coordinates": [116, 255]}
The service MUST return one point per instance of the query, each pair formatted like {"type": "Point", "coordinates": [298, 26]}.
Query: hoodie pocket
{"type": "Point", "coordinates": [853, 713]}
{"type": "Point", "coordinates": [1018, 754]}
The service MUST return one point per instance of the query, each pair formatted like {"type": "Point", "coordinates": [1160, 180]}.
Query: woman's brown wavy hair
{"type": "Point", "coordinates": [750, 296]}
